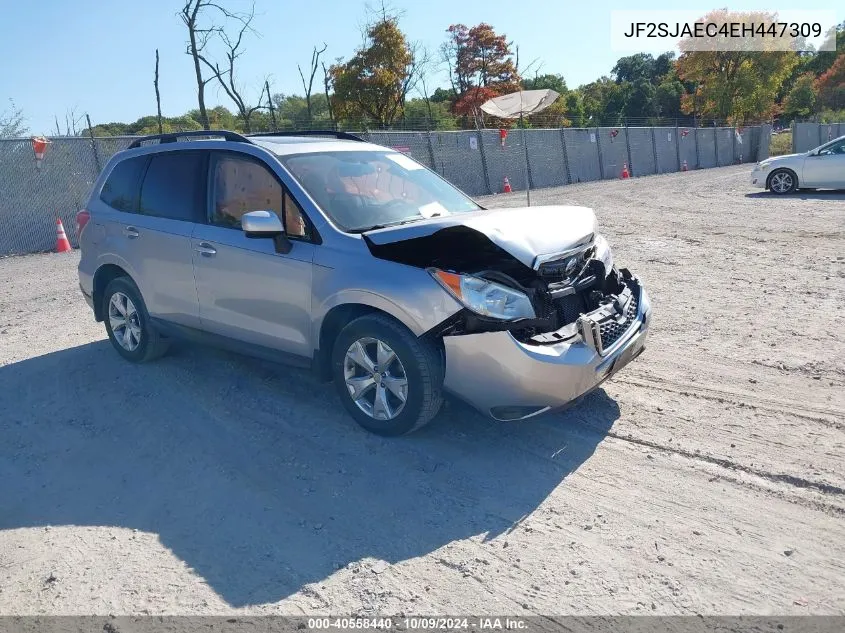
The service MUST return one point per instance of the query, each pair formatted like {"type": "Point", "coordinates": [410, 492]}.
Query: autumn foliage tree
{"type": "Point", "coordinates": [738, 86]}
{"type": "Point", "coordinates": [830, 87]}
{"type": "Point", "coordinates": [376, 80]}
{"type": "Point", "coordinates": [480, 65]}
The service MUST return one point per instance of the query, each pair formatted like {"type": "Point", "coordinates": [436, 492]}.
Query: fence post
{"type": "Point", "coordinates": [529, 176]}
{"type": "Point", "coordinates": [654, 149]}
{"type": "Point", "coordinates": [697, 154]}
{"type": "Point", "coordinates": [598, 149]}
{"type": "Point", "coordinates": [794, 140]}
{"type": "Point", "coordinates": [678, 144]}
{"type": "Point", "coordinates": [716, 143]}
{"type": "Point", "coordinates": [565, 156]}
{"type": "Point", "coordinates": [483, 159]}
{"type": "Point", "coordinates": [628, 149]}
{"type": "Point", "coordinates": [431, 150]}
{"type": "Point", "coordinates": [93, 146]}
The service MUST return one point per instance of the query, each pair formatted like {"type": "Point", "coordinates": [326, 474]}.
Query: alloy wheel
{"type": "Point", "coordinates": [781, 182]}
{"type": "Point", "coordinates": [375, 378]}
{"type": "Point", "coordinates": [124, 322]}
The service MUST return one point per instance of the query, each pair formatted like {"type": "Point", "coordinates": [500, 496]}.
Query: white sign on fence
{"type": "Point", "coordinates": [592, 137]}
{"type": "Point", "coordinates": [473, 142]}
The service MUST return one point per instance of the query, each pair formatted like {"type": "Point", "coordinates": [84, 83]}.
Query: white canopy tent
{"type": "Point", "coordinates": [517, 105]}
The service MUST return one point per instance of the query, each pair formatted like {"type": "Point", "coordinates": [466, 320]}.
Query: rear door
{"type": "Point", "coordinates": [248, 291]}
{"type": "Point", "coordinates": [171, 201]}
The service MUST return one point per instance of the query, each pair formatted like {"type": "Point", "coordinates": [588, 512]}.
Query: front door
{"type": "Point", "coordinates": [827, 168]}
{"type": "Point", "coordinates": [248, 291]}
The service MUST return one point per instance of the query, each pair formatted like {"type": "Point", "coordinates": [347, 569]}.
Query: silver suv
{"type": "Point", "coordinates": [356, 261]}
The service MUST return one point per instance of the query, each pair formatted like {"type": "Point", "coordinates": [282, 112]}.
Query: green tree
{"type": "Point", "coordinates": [12, 123]}
{"type": "Point", "coordinates": [641, 101]}
{"type": "Point", "coordinates": [737, 86]}
{"type": "Point", "coordinates": [668, 96]}
{"type": "Point", "coordinates": [801, 100]}
{"type": "Point", "coordinates": [376, 80]}
{"type": "Point", "coordinates": [546, 82]}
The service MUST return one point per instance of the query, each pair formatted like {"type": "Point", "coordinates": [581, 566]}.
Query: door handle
{"type": "Point", "coordinates": [131, 232]}
{"type": "Point", "coordinates": [205, 249]}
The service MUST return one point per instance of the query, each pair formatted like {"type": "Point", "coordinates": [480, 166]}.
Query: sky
{"type": "Point", "coordinates": [97, 56]}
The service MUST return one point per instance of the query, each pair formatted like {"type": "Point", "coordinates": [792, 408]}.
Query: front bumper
{"type": "Point", "coordinates": [510, 380]}
{"type": "Point", "coordinates": [758, 177]}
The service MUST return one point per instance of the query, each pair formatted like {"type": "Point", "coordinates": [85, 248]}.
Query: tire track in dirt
{"type": "Point", "coordinates": [741, 399]}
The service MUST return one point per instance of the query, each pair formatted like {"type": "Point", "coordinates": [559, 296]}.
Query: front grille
{"type": "Point", "coordinates": [612, 330]}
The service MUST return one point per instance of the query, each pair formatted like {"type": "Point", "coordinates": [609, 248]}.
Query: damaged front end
{"type": "Point", "coordinates": [576, 292]}
{"type": "Point", "coordinates": [580, 319]}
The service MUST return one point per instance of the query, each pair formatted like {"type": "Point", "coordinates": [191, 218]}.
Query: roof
{"type": "Point", "coordinates": [287, 145]}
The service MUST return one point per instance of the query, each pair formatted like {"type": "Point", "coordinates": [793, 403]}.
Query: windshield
{"type": "Point", "coordinates": [371, 189]}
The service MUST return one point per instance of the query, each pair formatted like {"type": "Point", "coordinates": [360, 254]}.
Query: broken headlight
{"type": "Point", "coordinates": [486, 297]}
{"type": "Point", "coordinates": [603, 253]}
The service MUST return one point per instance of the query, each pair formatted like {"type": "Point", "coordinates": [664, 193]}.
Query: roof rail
{"type": "Point", "coordinates": [173, 137]}
{"type": "Point", "coordinates": [345, 136]}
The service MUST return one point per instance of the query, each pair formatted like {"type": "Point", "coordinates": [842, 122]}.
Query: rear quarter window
{"type": "Point", "coordinates": [121, 188]}
{"type": "Point", "coordinates": [174, 186]}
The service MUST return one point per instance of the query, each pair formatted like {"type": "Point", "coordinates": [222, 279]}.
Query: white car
{"type": "Point", "coordinates": [820, 168]}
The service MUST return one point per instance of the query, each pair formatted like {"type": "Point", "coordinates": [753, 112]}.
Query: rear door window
{"type": "Point", "coordinates": [174, 186]}
{"type": "Point", "coordinates": [122, 186]}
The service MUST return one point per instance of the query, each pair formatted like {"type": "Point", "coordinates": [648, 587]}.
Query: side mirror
{"type": "Point", "coordinates": [258, 224]}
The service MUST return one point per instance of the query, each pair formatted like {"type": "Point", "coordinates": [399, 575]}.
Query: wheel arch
{"type": "Point", "coordinates": [102, 277]}
{"type": "Point", "coordinates": [791, 170]}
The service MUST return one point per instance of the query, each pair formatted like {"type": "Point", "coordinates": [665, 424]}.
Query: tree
{"type": "Point", "coordinates": [158, 95]}
{"type": "Point", "coordinates": [641, 102]}
{"type": "Point", "coordinates": [546, 82]}
{"type": "Point", "coordinates": [376, 80]}
{"type": "Point", "coordinates": [830, 87]}
{"type": "Point", "coordinates": [801, 100]}
{"type": "Point", "coordinates": [737, 86]}
{"type": "Point", "coordinates": [12, 123]}
{"type": "Point", "coordinates": [820, 62]}
{"type": "Point", "coordinates": [309, 85]}
{"type": "Point", "coordinates": [198, 36]}
{"type": "Point", "coordinates": [634, 68]}
{"type": "Point", "coordinates": [226, 76]}
{"type": "Point", "coordinates": [667, 96]}
{"type": "Point", "coordinates": [480, 65]}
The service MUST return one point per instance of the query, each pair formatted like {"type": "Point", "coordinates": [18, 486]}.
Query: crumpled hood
{"type": "Point", "coordinates": [524, 232]}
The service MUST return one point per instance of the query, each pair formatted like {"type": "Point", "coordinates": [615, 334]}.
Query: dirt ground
{"type": "Point", "coordinates": [708, 477]}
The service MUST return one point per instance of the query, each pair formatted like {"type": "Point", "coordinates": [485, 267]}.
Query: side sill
{"type": "Point", "coordinates": [194, 335]}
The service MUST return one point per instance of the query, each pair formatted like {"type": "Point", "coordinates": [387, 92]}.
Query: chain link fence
{"type": "Point", "coordinates": [807, 136]}
{"type": "Point", "coordinates": [479, 162]}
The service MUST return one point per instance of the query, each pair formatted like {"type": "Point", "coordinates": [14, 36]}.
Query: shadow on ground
{"type": "Point", "coordinates": [802, 194]}
{"type": "Point", "coordinates": [253, 475]}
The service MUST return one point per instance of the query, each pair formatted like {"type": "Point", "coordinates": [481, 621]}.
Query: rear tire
{"type": "Point", "coordinates": [128, 323]}
{"type": "Point", "coordinates": [373, 393]}
{"type": "Point", "coordinates": [782, 182]}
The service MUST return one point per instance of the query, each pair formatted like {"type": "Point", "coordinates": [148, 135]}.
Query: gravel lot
{"type": "Point", "coordinates": [708, 477]}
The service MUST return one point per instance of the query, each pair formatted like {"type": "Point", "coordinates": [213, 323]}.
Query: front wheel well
{"type": "Point", "coordinates": [104, 275]}
{"type": "Point", "coordinates": [334, 321]}
{"type": "Point", "coordinates": [774, 171]}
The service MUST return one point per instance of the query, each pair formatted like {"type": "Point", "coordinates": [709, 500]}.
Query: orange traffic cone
{"type": "Point", "coordinates": [625, 173]}
{"type": "Point", "coordinates": [507, 186]}
{"type": "Point", "coordinates": [684, 167]}
{"type": "Point", "coordinates": [62, 243]}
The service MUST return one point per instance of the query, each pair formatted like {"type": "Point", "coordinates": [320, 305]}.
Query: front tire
{"type": "Point", "coordinates": [128, 323]}
{"type": "Point", "coordinates": [389, 380]}
{"type": "Point", "coordinates": [783, 181]}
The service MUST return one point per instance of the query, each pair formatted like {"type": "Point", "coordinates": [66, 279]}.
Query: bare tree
{"type": "Point", "coordinates": [199, 34]}
{"type": "Point", "coordinates": [158, 96]}
{"type": "Point", "coordinates": [309, 85]}
{"type": "Point", "coordinates": [270, 104]}
{"type": "Point", "coordinates": [327, 82]}
{"type": "Point", "coordinates": [226, 75]}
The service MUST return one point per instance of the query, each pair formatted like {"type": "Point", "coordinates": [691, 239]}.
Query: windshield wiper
{"type": "Point", "coordinates": [375, 227]}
